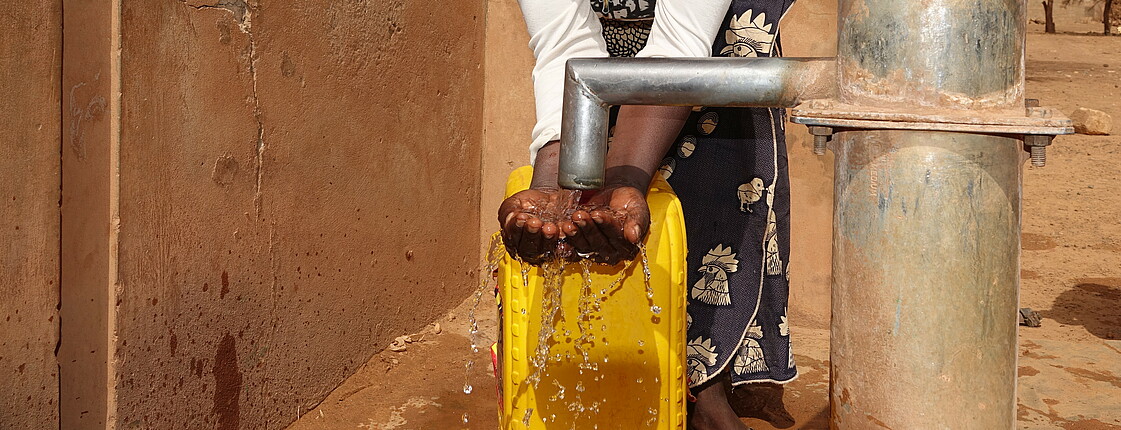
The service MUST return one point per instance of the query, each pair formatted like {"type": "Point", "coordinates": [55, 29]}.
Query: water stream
{"type": "Point", "coordinates": [589, 305]}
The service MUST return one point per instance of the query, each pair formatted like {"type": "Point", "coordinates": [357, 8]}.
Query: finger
{"type": "Point", "coordinates": [512, 232]}
{"type": "Point", "coordinates": [590, 239]}
{"type": "Point", "coordinates": [526, 245]}
{"type": "Point", "coordinates": [615, 232]}
{"type": "Point", "coordinates": [636, 228]}
{"type": "Point", "coordinates": [529, 247]}
{"type": "Point", "coordinates": [633, 232]}
{"type": "Point", "coordinates": [566, 230]}
{"type": "Point", "coordinates": [614, 247]}
{"type": "Point", "coordinates": [573, 238]}
{"type": "Point", "coordinates": [549, 230]}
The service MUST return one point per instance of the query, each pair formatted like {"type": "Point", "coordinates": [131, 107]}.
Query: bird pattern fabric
{"type": "Point", "coordinates": [729, 169]}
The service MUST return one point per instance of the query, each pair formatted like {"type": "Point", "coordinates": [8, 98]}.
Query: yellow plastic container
{"type": "Point", "coordinates": [639, 355]}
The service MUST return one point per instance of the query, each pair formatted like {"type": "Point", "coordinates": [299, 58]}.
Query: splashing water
{"type": "Point", "coordinates": [646, 271]}
{"type": "Point", "coordinates": [589, 304]}
{"type": "Point", "coordinates": [552, 271]}
{"type": "Point", "coordinates": [494, 256]}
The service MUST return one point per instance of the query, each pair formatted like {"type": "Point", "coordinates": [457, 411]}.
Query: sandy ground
{"type": "Point", "coordinates": [1069, 369]}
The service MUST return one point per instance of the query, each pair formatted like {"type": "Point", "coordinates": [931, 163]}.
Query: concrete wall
{"type": "Point", "coordinates": [508, 114]}
{"type": "Point", "coordinates": [809, 29]}
{"type": "Point", "coordinates": [29, 189]}
{"type": "Point", "coordinates": [266, 206]}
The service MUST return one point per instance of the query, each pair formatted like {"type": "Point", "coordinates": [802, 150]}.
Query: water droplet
{"type": "Point", "coordinates": [467, 388]}
{"type": "Point", "coordinates": [641, 343]}
{"type": "Point", "coordinates": [465, 418]}
{"type": "Point", "coordinates": [657, 310]}
{"type": "Point", "coordinates": [639, 380]}
{"type": "Point", "coordinates": [580, 387]}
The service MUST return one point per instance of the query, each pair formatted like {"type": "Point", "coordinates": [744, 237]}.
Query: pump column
{"type": "Point", "coordinates": [926, 243]}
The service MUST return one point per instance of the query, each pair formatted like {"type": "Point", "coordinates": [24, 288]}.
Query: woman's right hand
{"type": "Point", "coordinates": [529, 230]}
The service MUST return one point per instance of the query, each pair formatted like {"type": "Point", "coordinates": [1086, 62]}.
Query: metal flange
{"type": "Point", "coordinates": [1038, 125]}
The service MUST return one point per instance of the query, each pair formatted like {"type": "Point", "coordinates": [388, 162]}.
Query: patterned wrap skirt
{"type": "Point", "coordinates": [729, 169]}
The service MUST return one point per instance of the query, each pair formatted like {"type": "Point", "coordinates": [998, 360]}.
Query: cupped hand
{"type": "Point", "coordinates": [609, 225]}
{"type": "Point", "coordinates": [528, 219]}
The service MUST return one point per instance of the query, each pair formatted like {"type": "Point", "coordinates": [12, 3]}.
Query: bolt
{"type": "Point", "coordinates": [1038, 156]}
{"type": "Point", "coordinates": [1037, 145]}
{"type": "Point", "coordinates": [819, 144]}
{"type": "Point", "coordinates": [822, 136]}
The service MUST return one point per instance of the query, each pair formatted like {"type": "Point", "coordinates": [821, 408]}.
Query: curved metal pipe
{"type": "Point", "coordinates": [592, 85]}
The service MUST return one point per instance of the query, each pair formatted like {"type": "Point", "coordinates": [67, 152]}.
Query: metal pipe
{"type": "Point", "coordinates": [932, 55]}
{"type": "Point", "coordinates": [925, 278]}
{"type": "Point", "coordinates": [927, 224]}
{"type": "Point", "coordinates": [593, 85]}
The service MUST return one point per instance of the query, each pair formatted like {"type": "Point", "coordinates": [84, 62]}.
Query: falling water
{"type": "Point", "coordinates": [494, 256]}
{"type": "Point", "coordinates": [553, 274]}
{"type": "Point", "coordinates": [589, 304]}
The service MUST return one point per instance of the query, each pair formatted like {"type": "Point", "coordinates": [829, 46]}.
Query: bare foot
{"type": "Point", "coordinates": [712, 410]}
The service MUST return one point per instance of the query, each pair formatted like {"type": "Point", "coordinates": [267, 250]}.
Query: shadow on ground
{"type": "Point", "coordinates": [1095, 303]}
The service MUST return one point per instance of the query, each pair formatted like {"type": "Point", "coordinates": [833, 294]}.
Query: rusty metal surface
{"type": "Point", "coordinates": [926, 275]}
{"type": "Point", "coordinates": [592, 85]}
{"type": "Point", "coordinates": [957, 54]}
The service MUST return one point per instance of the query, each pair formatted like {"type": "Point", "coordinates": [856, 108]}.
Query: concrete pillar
{"type": "Point", "coordinates": [30, 34]}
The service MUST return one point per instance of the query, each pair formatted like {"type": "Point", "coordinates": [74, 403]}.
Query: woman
{"type": "Point", "coordinates": [727, 165]}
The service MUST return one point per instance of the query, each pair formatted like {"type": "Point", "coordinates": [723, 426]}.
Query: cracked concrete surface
{"type": "Point", "coordinates": [243, 11]}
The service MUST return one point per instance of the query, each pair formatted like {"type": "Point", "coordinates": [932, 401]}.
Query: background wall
{"type": "Point", "coordinates": [30, 34]}
{"type": "Point", "coordinates": [256, 195]}
{"type": "Point", "coordinates": [268, 204]}
{"type": "Point", "coordinates": [808, 30]}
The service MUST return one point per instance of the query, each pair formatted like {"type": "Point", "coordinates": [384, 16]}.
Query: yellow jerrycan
{"type": "Point", "coordinates": [634, 373]}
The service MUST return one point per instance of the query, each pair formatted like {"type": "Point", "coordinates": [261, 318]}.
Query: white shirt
{"type": "Point", "coordinates": [564, 29]}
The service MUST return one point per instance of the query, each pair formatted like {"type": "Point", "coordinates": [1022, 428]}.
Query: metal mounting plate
{"type": "Point", "coordinates": [1034, 121]}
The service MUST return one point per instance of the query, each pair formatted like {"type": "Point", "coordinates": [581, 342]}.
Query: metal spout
{"type": "Point", "coordinates": [593, 85]}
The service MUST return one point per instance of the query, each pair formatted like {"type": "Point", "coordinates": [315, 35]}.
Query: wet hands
{"type": "Point", "coordinates": [529, 222]}
{"type": "Point", "coordinates": [540, 224]}
{"type": "Point", "coordinates": [609, 226]}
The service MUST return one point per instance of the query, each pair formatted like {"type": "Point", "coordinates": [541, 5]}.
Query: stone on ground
{"type": "Point", "coordinates": [1090, 121]}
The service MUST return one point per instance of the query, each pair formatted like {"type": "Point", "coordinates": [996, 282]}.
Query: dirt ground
{"type": "Point", "coordinates": [1069, 369]}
